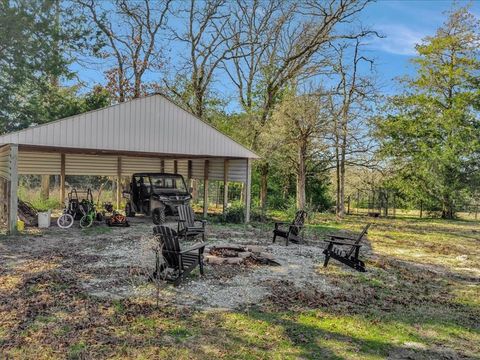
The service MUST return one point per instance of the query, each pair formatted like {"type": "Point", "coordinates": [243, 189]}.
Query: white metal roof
{"type": "Point", "coordinates": [151, 124]}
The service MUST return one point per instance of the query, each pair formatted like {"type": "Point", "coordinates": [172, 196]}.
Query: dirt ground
{"type": "Point", "coordinates": [86, 294]}
{"type": "Point", "coordinates": [115, 263]}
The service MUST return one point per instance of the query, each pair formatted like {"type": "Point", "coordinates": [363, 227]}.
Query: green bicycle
{"type": "Point", "coordinates": [87, 207]}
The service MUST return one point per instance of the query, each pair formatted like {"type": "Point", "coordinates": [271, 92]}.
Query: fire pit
{"type": "Point", "coordinates": [239, 255]}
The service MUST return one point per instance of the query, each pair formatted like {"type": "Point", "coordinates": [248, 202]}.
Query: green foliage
{"type": "Point", "coordinates": [431, 133]}
{"type": "Point", "coordinates": [34, 198]}
{"type": "Point", "coordinates": [37, 40]}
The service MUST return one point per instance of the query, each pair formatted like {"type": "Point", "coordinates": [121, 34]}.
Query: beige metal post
{"type": "Point", "coordinates": [248, 195]}
{"type": "Point", "coordinates": [205, 189]}
{"type": "Point", "coordinates": [12, 190]}
{"type": "Point", "coordinates": [62, 178]}
{"type": "Point", "coordinates": [119, 181]}
{"type": "Point", "coordinates": [225, 185]}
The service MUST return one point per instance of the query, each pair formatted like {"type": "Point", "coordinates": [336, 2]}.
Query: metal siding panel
{"type": "Point", "coordinates": [37, 163]}
{"type": "Point", "coordinates": [182, 168]}
{"type": "Point", "coordinates": [77, 164]}
{"type": "Point", "coordinates": [237, 170]}
{"type": "Point", "coordinates": [131, 165]}
{"type": "Point", "coordinates": [215, 169]}
{"type": "Point", "coordinates": [5, 162]}
{"type": "Point", "coordinates": [169, 167]}
{"type": "Point", "coordinates": [197, 168]}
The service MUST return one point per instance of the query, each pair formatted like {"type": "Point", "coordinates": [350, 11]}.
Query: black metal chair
{"type": "Point", "coordinates": [349, 256]}
{"type": "Point", "coordinates": [187, 225]}
{"type": "Point", "coordinates": [294, 232]}
{"type": "Point", "coordinates": [177, 263]}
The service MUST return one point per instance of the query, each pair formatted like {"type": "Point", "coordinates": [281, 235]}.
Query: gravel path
{"type": "Point", "coordinates": [115, 263]}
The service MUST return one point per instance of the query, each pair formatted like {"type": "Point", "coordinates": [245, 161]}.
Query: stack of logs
{"type": "Point", "coordinates": [236, 255]}
{"type": "Point", "coordinates": [27, 213]}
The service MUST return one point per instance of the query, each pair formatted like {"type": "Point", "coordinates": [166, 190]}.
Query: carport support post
{"type": "Point", "coordinates": [62, 178]}
{"type": "Point", "coordinates": [12, 188]}
{"type": "Point", "coordinates": [119, 181]}
{"type": "Point", "coordinates": [205, 188]}
{"type": "Point", "coordinates": [248, 195]}
{"type": "Point", "coordinates": [225, 184]}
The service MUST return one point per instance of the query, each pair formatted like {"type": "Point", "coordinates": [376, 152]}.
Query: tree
{"type": "Point", "coordinates": [295, 132]}
{"type": "Point", "coordinates": [34, 55]}
{"type": "Point", "coordinates": [279, 42]}
{"type": "Point", "coordinates": [206, 45]}
{"type": "Point", "coordinates": [431, 132]}
{"type": "Point", "coordinates": [348, 104]}
{"type": "Point", "coordinates": [130, 38]}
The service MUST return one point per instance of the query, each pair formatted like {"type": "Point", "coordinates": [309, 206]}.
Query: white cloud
{"type": "Point", "coordinates": [398, 40]}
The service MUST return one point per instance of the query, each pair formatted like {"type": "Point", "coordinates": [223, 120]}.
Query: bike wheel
{"type": "Point", "coordinates": [65, 221]}
{"type": "Point", "coordinates": [86, 221]}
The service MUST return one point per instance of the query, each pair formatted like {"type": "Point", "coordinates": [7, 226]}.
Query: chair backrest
{"type": "Point", "coordinates": [359, 238]}
{"type": "Point", "coordinates": [300, 217]}
{"type": "Point", "coordinates": [186, 214]}
{"type": "Point", "coordinates": [170, 246]}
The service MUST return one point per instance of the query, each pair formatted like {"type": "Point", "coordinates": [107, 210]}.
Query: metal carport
{"type": "Point", "coordinates": [146, 134]}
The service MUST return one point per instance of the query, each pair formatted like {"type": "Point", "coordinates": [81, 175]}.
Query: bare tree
{"type": "Point", "coordinates": [207, 46]}
{"type": "Point", "coordinates": [131, 40]}
{"type": "Point", "coordinates": [348, 103]}
{"type": "Point", "coordinates": [278, 42]}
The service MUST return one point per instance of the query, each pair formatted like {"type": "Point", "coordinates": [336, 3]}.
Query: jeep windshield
{"type": "Point", "coordinates": [167, 184]}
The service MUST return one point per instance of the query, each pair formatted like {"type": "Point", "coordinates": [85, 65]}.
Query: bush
{"type": "Point", "coordinates": [33, 197]}
{"type": "Point", "coordinates": [235, 214]}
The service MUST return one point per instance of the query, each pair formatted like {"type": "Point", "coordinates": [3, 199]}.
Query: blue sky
{"type": "Point", "coordinates": [403, 23]}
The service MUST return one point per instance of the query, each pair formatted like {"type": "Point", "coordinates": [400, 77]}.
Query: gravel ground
{"type": "Point", "coordinates": [115, 263]}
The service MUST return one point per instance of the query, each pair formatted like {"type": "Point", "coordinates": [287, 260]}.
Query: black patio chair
{"type": "Point", "coordinates": [187, 225]}
{"type": "Point", "coordinates": [177, 263]}
{"type": "Point", "coordinates": [294, 231]}
{"type": "Point", "coordinates": [349, 256]}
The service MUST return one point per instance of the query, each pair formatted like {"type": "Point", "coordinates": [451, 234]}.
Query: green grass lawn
{"type": "Point", "coordinates": [419, 299]}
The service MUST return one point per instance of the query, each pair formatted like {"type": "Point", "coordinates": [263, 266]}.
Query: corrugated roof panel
{"type": "Point", "coordinates": [152, 124]}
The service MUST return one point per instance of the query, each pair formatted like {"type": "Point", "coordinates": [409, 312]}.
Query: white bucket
{"type": "Point", "coordinates": [44, 219]}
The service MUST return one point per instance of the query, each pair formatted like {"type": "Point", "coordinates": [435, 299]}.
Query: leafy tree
{"type": "Point", "coordinates": [38, 40]}
{"type": "Point", "coordinates": [432, 131]}
{"type": "Point", "coordinates": [295, 134]}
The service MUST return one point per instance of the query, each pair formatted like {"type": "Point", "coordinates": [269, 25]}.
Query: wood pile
{"type": "Point", "coordinates": [236, 255]}
{"type": "Point", "coordinates": [27, 213]}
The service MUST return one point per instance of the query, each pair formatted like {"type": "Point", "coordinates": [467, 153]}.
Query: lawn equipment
{"type": "Point", "coordinates": [117, 220]}
{"type": "Point", "coordinates": [87, 207]}
{"type": "Point", "coordinates": [71, 211]}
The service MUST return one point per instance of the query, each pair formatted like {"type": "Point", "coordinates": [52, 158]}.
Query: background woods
{"type": "Point", "coordinates": [294, 81]}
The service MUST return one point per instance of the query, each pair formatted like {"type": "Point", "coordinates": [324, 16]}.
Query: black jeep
{"type": "Point", "coordinates": [156, 194]}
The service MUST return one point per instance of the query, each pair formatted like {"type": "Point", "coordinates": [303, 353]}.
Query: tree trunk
{"type": "Point", "coordinates": [45, 191]}
{"type": "Point", "coordinates": [301, 176]}
{"type": "Point", "coordinates": [263, 186]}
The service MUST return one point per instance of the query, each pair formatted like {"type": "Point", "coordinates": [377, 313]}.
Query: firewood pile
{"type": "Point", "coordinates": [27, 213]}
{"type": "Point", "coordinates": [236, 255]}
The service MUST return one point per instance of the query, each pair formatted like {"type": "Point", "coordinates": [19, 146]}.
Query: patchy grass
{"type": "Point", "coordinates": [419, 299]}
